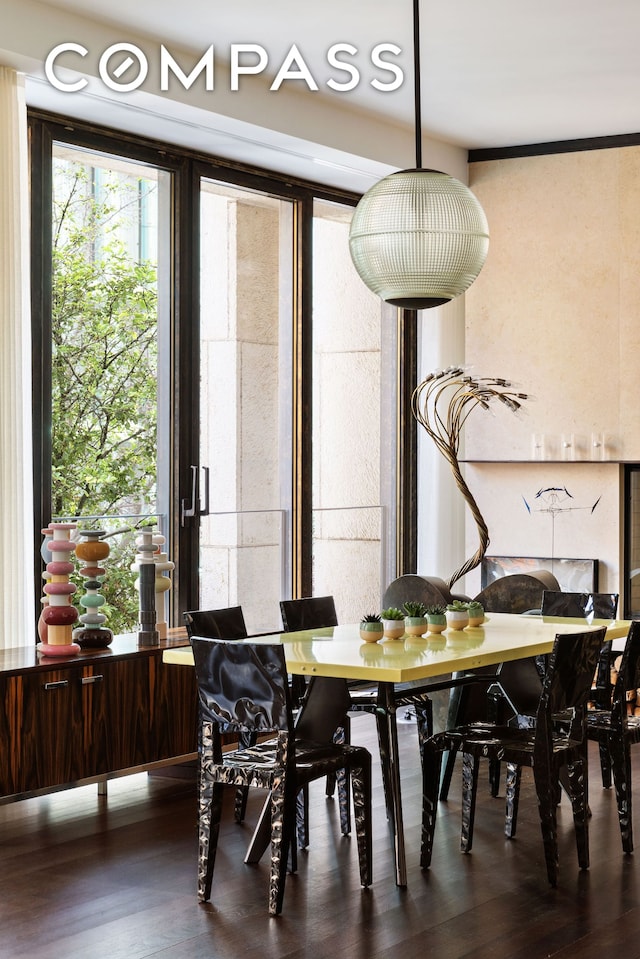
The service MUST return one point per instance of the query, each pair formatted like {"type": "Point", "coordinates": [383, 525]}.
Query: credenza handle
{"type": "Point", "coordinates": [88, 680]}
{"type": "Point", "coordinates": [60, 684]}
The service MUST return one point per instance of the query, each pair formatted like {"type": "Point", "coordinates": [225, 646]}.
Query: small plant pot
{"type": "Point", "coordinates": [393, 628]}
{"type": "Point", "coordinates": [436, 624]}
{"type": "Point", "coordinates": [371, 632]}
{"type": "Point", "coordinates": [415, 625]}
{"type": "Point", "coordinates": [457, 618]}
{"type": "Point", "coordinates": [476, 620]}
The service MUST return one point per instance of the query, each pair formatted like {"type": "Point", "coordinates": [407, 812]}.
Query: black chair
{"type": "Point", "coordinates": [314, 612]}
{"type": "Point", "coordinates": [515, 693]}
{"type": "Point", "coordinates": [615, 731]}
{"type": "Point", "coordinates": [587, 605]}
{"type": "Point", "coordinates": [243, 688]}
{"type": "Point", "coordinates": [546, 747]}
{"type": "Point", "coordinates": [225, 623]}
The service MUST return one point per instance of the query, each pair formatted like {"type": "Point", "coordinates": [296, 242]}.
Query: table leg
{"type": "Point", "coordinates": [386, 698]}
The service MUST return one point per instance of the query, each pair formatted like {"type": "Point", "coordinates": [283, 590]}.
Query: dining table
{"type": "Point", "coordinates": [338, 651]}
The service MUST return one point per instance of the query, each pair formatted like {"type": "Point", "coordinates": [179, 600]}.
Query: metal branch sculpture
{"type": "Point", "coordinates": [462, 394]}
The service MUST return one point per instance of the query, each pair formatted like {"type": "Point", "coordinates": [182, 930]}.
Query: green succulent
{"type": "Point", "coordinates": [371, 618]}
{"type": "Point", "coordinates": [458, 606]}
{"type": "Point", "coordinates": [435, 610]}
{"type": "Point", "coordinates": [392, 613]}
{"type": "Point", "coordinates": [413, 609]}
{"type": "Point", "coordinates": [475, 605]}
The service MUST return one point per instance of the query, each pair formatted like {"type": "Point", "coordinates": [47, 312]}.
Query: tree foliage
{"type": "Point", "coordinates": [104, 362]}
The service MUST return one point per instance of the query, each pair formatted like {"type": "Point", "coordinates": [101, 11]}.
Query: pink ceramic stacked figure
{"type": "Point", "coordinates": [59, 615]}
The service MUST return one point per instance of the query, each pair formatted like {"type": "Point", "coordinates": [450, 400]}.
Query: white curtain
{"type": "Point", "coordinates": [17, 599]}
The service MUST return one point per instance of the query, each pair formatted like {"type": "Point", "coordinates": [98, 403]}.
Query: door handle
{"type": "Point", "coordinates": [195, 507]}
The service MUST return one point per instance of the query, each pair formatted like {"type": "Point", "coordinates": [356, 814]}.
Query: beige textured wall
{"type": "Point", "coordinates": [557, 310]}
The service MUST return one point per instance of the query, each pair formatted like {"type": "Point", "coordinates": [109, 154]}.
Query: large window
{"type": "Point", "coordinates": [207, 359]}
{"type": "Point", "coordinates": [104, 354]}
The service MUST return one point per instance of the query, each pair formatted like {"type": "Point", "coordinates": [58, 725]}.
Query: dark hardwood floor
{"type": "Point", "coordinates": [84, 875]}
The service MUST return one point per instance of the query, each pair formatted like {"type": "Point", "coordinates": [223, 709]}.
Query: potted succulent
{"type": "Point", "coordinates": [457, 614]}
{"type": "Point", "coordinates": [476, 613]}
{"type": "Point", "coordinates": [393, 622]}
{"type": "Point", "coordinates": [371, 628]}
{"type": "Point", "coordinates": [436, 618]}
{"type": "Point", "coordinates": [415, 620]}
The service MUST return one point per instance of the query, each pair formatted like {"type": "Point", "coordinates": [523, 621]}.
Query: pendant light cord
{"type": "Point", "coordinates": [416, 81]}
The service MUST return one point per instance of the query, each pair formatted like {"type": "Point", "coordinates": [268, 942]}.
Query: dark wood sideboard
{"type": "Point", "coordinates": [93, 715]}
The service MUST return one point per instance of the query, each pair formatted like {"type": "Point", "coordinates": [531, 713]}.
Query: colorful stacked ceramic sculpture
{"type": "Point", "coordinates": [92, 551]}
{"type": "Point", "coordinates": [59, 615]}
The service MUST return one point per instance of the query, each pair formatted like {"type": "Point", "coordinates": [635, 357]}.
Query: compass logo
{"type": "Point", "coordinates": [124, 67]}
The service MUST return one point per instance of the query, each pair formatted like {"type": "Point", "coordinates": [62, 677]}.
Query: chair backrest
{"type": "Point", "coordinates": [569, 675]}
{"type": "Point", "coordinates": [595, 605]}
{"type": "Point", "coordinates": [242, 687]}
{"type": "Point", "coordinates": [628, 676]}
{"type": "Point", "coordinates": [225, 623]}
{"type": "Point", "coordinates": [312, 612]}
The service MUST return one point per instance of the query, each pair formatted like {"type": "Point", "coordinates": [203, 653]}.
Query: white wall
{"type": "Point", "coordinates": [556, 309]}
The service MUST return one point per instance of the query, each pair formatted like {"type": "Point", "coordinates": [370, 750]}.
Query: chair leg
{"type": "Point", "coordinates": [621, 763]}
{"type": "Point", "coordinates": [512, 788]}
{"type": "Point", "coordinates": [605, 765]}
{"type": "Point", "coordinates": [546, 791]}
{"type": "Point", "coordinates": [240, 805]}
{"type": "Point", "coordinates": [342, 779]}
{"type": "Point", "coordinates": [424, 720]}
{"type": "Point", "coordinates": [431, 763]}
{"type": "Point", "coordinates": [578, 793]}
{"type": "Point", "coordinates": [302, 817]}
{"type": "Point", "coordinates": [449, 766]}
{"type": "Point", "coordinates": [361, 789]}
{"type": "Point", "coordinates": [283, 809]}
{"type": "Point", "coordinates": [209, 816]}
{"type": "Point", "coordinates": [470, 766]}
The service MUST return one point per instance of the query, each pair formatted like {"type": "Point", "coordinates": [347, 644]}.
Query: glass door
{"type": "Point", "coordinates": [242, 482]}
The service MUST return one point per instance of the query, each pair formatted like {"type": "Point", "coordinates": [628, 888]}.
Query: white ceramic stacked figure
{"type": "Point", "coordinates": [164, 566]}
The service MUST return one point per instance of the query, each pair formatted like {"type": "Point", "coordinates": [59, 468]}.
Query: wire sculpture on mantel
{"type": "Point", "coordinates": [461, 393]}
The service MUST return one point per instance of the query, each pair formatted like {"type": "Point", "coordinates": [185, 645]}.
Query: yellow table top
{"type": "Point", "coordinates": [338, 651]}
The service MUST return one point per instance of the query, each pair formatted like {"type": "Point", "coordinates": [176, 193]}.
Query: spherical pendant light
{"type": "Point", "coordinates": [418, 238]}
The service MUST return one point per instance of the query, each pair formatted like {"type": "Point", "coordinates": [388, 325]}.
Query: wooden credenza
{"type": "Point", "coordinates": [93, 715]}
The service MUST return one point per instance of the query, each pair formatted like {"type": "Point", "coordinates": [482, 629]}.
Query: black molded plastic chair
{"type": "Point", "coordinates": [225, 623]}
{"type": "Point", "coordinates": [545, 748]}
{"type": "Point", "coordinates": [613, 729]}
{"type": "Point", "coordinates": [518, 684]}
{"type": "Point", "coordinates": [588, 605]}
{"type": "Point", "coordinates": [315, 612]}
{"type": "Point", "coordinates": [243, 688]}
{"type": "Point", "coordinates": [311, 612]}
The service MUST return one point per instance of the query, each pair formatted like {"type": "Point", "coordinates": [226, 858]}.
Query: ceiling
{"type": "Point", "coordinates": [495, 73]}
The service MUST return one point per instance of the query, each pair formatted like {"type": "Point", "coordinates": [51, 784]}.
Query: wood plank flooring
{"type": "Point", "coordinates": [84, 875]}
